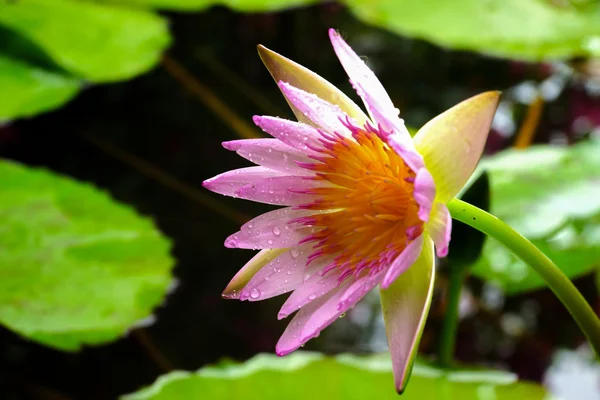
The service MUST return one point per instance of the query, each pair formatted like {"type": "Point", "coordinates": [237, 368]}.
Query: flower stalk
{"type": "Point", "coordinates": [447, 344]}
{"type": "Point", "coordinates": [557, 281]}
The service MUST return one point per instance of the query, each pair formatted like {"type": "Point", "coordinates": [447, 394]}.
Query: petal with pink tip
{"type": "Point", "coordinates": [405, 306]}
{"type": "Point", "coordinates": [241, 279]}
{"type": "Point", "coordinates": [271, 230]}
{"type": "Point", "coordinates": [323, 114]}
{"type": "Point", "coordinates": [271, 153]}
{"type": "Point", "coordinates": [452, 143]}
{"type": "Point", "coordinates": [284, 69]}
{"type": "Point", "coordinates": [370, 89]}
{"type": "Point", "coordinates": [293, 338]}
{"type": "Point", "coordinates": [278, 276]}
{"type": "Point", "coordinates": [228, 183]}
{"type": "Point", "coordinates": [312, 289]}
{"type": "Point", "coordinates": [439, 227]}
{"type": "Point", "coordinates": [403, 262]}
{"type": "Point", "coordinates": [281, 190]}
{"type": "Point", "coordinates": [424, 193]}
{"type": "Point", "coordinates": [295, 134]}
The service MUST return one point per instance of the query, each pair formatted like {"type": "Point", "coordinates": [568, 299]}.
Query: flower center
{"type": "Point", "coordinates": [367, 214]}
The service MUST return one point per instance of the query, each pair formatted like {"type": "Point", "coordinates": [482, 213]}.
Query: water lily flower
{"type": "Point", "coordinates": [365, 203]}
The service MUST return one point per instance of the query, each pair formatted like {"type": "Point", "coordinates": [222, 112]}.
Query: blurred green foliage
{"type": "Point", "coordinates": [76, 267]}
{"type": "Point", "coordinates": [304, 375]}
{"type": "Point", "coordinates": [85, 42]}
{"type": "Point", "coordinates": [103, 41]}
{"type": "Point", "coordinates": [550, 194]}
{"type": "Point", "coordinates": [522, 29]}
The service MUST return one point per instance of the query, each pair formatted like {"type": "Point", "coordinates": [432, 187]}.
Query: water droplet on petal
{"type": "Point", "coordinates": [294, 252]}
{"type": "Point", "coordinates": [276, 231]}
{"type": "Point", "coordinates": [254, 293]}
{"type": "Point", "coordinates": [270, 242]}
{"type": "Point", "coordinates": [312, 296]}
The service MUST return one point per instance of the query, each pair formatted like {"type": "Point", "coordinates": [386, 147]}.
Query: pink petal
{"type": "Point", "coordinates": [424, 193]}
{"type": "Point", "coordinates": [241, 279]}
{"type": "Point", "coordinates": [271, 230]}
{"type": "Point", "coordinates": [281, 275]}
{"type": "Point", "coordinates": [377, 101]}
{"type": "Point", "coordinates": [403, 261]}
{"type": "Point", "coordinates": [405, 306]}
{"type": "Point", "coordinates": [325, 115]}
{"type": "Point", "coordinates": [439, 227]}
{"type": "Point", "coordinates": [323, 307]}
{"type": "Point", "coordinates": [284, 69]}
{"type": "Point", "coordinates": [359, 289]}
{"type": "Point", "coordinates": [348, 294]}
{"type": "Point", "coordinates": [281, 190]}
{"type": "Point", "coordinates": [367, 85]}
{"type": "Point", "coordinates": [294, 134]}
{"type": "Point", "coordinates": [229, 182]}
{"type": "Point", "coordinates": [312, 289]}
{"type": "Point", "coordinates": [406, 150]}
{"type": "Point", "coordinates": [271, 153]}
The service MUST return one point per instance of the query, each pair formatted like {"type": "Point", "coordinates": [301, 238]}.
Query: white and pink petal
{"type": "Point", "coordinates": [271, 230]}
{"type": "Point", "coordinates": [405, 306]}
{"type": "Point", "coordinates": [439, 227]}
{"type": "Point", "coordinates": [281, 190]}
{"type": "Point", "coordinates": [228, 183]}
{"type": "Point", "coordinates": [272, 154]}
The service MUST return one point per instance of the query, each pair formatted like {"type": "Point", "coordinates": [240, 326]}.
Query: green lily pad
{"type": "Point", "coordinates": [28, 90]}
{"type": "Point", "coordinates": [551, 195]}
{"type": "Point", "coordinates": [96, 42]}
{"type": "Point", "coordinates": [198, 5]}
{"type": "Point", "coordinates": [303, 375]}
{"type": "Point", "coordinates": [76, 267]}
{"type": "Point", "coordinates": [524, 29]}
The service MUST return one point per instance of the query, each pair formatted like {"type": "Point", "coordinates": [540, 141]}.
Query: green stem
{"type": "Point", "coordinates": [523, 248]}
{"type": "Point", "coordinates": [450, 325]}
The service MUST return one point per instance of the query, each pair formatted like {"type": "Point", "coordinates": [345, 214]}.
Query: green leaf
{"type": "Point", "coordinates": [28, 90]}
{"type": "Point", "coordinates": [97, 42]}
{"type": "Point", "coordinates": [303, 375]}
{"type": "Point", "coordinates": [551, 195]}
{"type": "Point", "coordinates": [76, 267]}
{"type": "Point", "coordinates": [526, 29]}
{"type": "Point", "coordinates": [238, 5]}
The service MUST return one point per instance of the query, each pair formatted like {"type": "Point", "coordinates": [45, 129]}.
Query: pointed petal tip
{"type": "Point", "coordinates": [229, 293]}
{"type": "Point", "coordinates": [282, 315]}
{"type": "Point", "coordinates": [231, 242]}
{"type": "Point", "coordinates": [492, 96]}
{"type": "Point", "coordinates": [232, 145]}
{"type": "Point", "coordinates": [207, 184]}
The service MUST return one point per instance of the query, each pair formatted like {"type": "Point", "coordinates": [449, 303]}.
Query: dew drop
{"type": "Point", "coordinates": [289, 272]}
{"type": "Point", "coordinates": [254, 293]}
{"type": "Point", "coordinates": [294, 252]}
{"type": "Point", "coordinates": [276, 231]}
{"type": "Point", "coordinates": [312, 296]}
{"type": "Point", "coordinates": [269, 241]}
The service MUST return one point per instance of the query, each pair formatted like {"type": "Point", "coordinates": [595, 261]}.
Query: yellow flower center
{"type": "Point", "coordinates": [370, 213]}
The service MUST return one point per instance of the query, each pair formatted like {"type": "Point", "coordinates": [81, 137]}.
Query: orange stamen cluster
{"type": "Point", "coordinates": [367, 215]}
